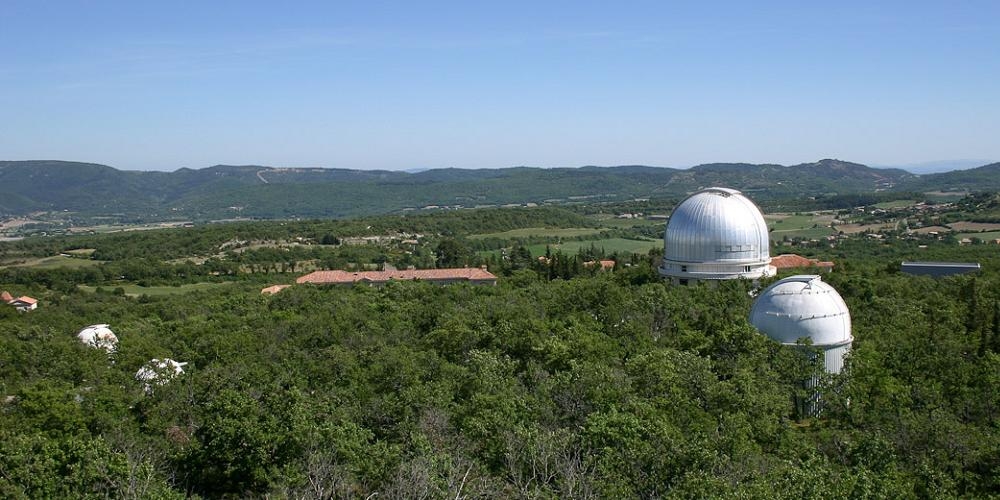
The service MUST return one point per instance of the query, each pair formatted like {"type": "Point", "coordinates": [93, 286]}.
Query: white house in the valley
{"type": "Point", "coordinates": [22, 303]}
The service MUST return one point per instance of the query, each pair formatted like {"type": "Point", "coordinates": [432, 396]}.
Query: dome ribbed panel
{"type": "Point", "coordinates": [802, 307]}
{"type": "Point", "coordinates": [717, 225]}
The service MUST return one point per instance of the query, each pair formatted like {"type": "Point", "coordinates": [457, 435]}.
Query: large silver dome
{"type": "Point", "coordinates": [804, 307]}
{"type": "Point", "coordinates": [716, 233]}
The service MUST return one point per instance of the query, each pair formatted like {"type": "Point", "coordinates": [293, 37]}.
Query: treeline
{"type": "Point", "coordinates": [837, 201]}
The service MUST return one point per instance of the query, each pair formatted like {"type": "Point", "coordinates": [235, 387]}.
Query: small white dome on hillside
{"type": "Point", "coordinates": [716, 234]}
{"type": "Point", "coordinates": [804, 307]}
{"type": "Point", "coordinates": [99, 336]}
{"type": "Point", "coordinates": [158, 372]}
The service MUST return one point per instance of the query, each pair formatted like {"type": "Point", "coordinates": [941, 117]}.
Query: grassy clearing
{"type": "Point", "coordinates": [860, 228]}
{"type": "Point", "coordinates": [609, 245]}
{"type": "Point", "coordinates": [539, 231]}
{"type": "Point", "coordinates": [945, 196]}
{"type": "Point", "coordinates": [789, 222]}
{"type": "Point", "coordinates": [895, 204]}
{"type": "Point", "coordinates": [974, 226]}
{"type": "Point", "coordinates": [117, 228]}
{"type": "Point", "coordinates": [799, 226]}
{"type": "Point", "coordinates": [55, 262]}
{"type": "Point", "coordinates": [136, 290]}
{"type": "Point", "coordinates": [932, 229]}
{"type": "Point", "coordinates": [988, 235]}
{"type": "Point", "coordinates": [82, 252]}
{"type": "Point", "coordinates": [809, 233]}
{"type": "Point", "coordinates": [612, 222]}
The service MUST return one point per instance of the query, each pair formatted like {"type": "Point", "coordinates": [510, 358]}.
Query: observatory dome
{"type": "Point", "coordinates": [715, 234]}
{"type": "Point", "coordinates": [158, 372]}
{"type": "Point", "coordinates": [99, 336]}
{"type": "Point", "coordinates": [804, 306]}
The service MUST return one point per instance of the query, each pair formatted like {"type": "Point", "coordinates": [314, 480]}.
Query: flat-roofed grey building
{"type": "Point", "coordinates": [939, 268]}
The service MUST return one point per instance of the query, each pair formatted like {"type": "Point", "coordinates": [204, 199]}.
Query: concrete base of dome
{"type": "Point", "coordinates": [689, 273]}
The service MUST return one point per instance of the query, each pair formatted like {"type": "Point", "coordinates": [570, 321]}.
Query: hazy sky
{"type": "Point", "coordinates": [397, 85]}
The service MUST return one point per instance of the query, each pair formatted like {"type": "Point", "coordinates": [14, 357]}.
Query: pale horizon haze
{"type": "Point", "coordinates": [409, 85]}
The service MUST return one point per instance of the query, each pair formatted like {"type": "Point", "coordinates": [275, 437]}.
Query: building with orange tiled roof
{"type": "Point", "coordinates": [793, 261]}
{"type": "Point", "coordinates": [6, 297]}
{"type": "Point", "coordinates": [606, 265]}
{"type": "Point", "coordinates": [24, 303]}
{"type": "Point", "coordinates": [473, 275]}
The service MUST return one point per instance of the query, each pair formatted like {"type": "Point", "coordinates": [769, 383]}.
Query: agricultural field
{"type": "Point", "coordinates": [860, 228]}
{"type": "Point", "coordinates": [974, 226]}
{"type": "Point", "coordinates": [988, 235]}
{"type": "Point", "coordinates": [799, 225]}
{"type": "Point", "coordinates": [888, 205]}
{"type": "Point", "coordinates": [81, 252]}
{"type": "Point", "coordinates": [132, 290]}
{"type": "Point", "coordinates": [56, 261]}
{"type": "Point", "coordinates": [945, 196]}
{"type": "Point", "coordinates": [627, 223]}
{"type": "Point", "coordinates": [930, 229]}
{"type": "Point", "coordinates": [529, 232]}
{"type": "Point", "coordinates": [609, 245]}
{"type": "Point", "coordinates": [116, 228]}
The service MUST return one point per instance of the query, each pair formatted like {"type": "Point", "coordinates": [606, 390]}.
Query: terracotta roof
{"type": "Point", "coordinates": [273, 289]}
{"type": "Point", "coordinates": [25, 299]}
{"type": "Point", "coordinates": [790, 260]}
{"type": "Point", "coordinates": [343, 277]}
{"type": "Point", "coordinates": [6, 296]}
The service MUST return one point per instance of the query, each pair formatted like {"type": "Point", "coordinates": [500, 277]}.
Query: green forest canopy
{"type": "Point", "coordinates": [605, 386]}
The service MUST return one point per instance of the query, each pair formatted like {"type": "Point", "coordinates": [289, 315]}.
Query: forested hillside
{"type": "Point", "coordinates": [560, 382]}
{"type": "Point", "coordinates": [973, 179]}
{"type": "Point", "coordinates": [222, 192]}
{"type": "Point", "coordinates": [593, 387]}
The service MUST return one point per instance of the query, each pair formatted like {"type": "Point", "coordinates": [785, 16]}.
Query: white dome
{"type": "Point", "coordinates": [158, 372]}
{"type": "Point", "coordinates": [99, 336]}
{"type": "Point", "coordinates": [804, 306]}
{"type": "Point", "coordinates": [716, 233]}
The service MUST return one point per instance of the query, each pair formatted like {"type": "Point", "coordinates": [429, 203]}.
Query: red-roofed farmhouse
{"type": "Point", "coordinates": [793, 261]}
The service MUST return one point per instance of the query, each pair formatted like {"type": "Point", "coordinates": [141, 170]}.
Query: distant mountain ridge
{"type": "Point", "coordinates": [268, 192]}
{"type": "Point", "coordinates": [938, 166]}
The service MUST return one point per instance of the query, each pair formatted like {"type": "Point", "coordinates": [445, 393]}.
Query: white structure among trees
{"type": "Point", "coordinates": [158, 372]}
{"type": "Point", "coordinates": [804, 307]}
{"type": "Point", "coordinates": [99, 336]}
{"type": "Point", "coordinates": [716, 234]}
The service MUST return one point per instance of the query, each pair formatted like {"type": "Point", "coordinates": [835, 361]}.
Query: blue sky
{"type": "Point", "coordinates": [399, 85]}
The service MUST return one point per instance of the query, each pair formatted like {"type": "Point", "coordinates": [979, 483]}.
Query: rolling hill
{"type": "Point", "coordinates": [225, 191]}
